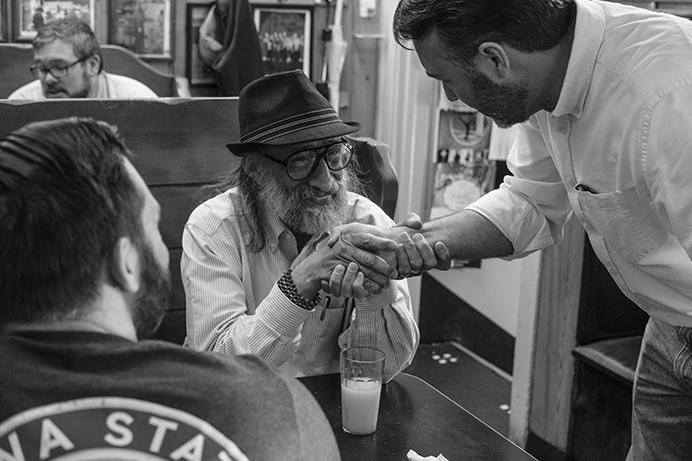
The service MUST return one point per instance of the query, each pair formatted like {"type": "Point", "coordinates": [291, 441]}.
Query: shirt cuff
{"type": "Point", "coordinates": [281, 315]}
{"type": "Point", "coordinates": [517, 219]}
{"type": "Point", "coordinates": [376, 302]}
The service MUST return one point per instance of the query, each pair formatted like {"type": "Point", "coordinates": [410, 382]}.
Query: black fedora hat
{"type": "Point", "coordinates": [285, 108]}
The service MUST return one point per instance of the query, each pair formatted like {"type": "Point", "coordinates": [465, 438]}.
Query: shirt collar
{"type": "Point", "coordinates": [588, 35]}
{"type": "Point", "coordinates": [274, 228]}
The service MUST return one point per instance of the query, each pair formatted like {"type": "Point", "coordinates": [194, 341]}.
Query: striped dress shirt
{"type": "Point", "coordinates": [235, 307]}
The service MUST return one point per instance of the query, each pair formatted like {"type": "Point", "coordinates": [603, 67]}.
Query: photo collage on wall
{"type": "Point", "coordinates": [462, 170]}
{"type": "Point", "coordinates": [34, 13]}
{"type": "Point", "coordinates": [285, 34]}
{"type": "Point", "coordinates": [142, 26]}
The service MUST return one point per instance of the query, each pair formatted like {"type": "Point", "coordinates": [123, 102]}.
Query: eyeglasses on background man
{"type": "Point", "coordinates": [57, 71]}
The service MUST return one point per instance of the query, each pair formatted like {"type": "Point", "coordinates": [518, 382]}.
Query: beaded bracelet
{"type": "Point", "coordinates": [288, 288]}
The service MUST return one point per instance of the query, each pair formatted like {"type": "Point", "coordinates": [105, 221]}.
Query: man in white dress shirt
{"type": "Point", "coordinates": [259, 277]}
{"type": "Point", "coordinates": [68, 64]}
{"type": "Point", "coordinates": [602, 92]}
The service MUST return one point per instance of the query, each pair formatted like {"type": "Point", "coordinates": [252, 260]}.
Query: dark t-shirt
{"type": "Point", "coordinates": [101, 396]}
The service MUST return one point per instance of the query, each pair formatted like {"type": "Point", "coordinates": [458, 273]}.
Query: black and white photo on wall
{"type": "Point", "coordinates": [30, 15]}
{"type": "Point", "coordinates": [3, 22]}
{"type": "Point", "coordinates": [285, 36]}
{"type": "Point", "coordinates": [142, 26]}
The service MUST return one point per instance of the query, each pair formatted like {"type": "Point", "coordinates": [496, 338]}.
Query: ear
{"type": "Point", "coordinates": [493, 61]}
{"type": "Point", "coordinates": [125, 265]}
{"type": "Point", "coordinates": [93, 64]}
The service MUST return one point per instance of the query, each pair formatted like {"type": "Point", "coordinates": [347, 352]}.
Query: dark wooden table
{"type": "Point", "coordinates": [414, 415]}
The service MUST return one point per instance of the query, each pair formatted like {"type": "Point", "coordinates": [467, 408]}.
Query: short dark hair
{"type": "Point", "coordinates": [463, 25]}
{"type": "Point", "coordinates": [72, 30]}
{"type": "Point", "coordinates": [65, 199]}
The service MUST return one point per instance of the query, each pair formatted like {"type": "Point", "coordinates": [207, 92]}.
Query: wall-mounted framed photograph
{"type": "Point", "coordinates": [141, 26]}
{"type": "Point", "coordinates": [3, 22]}
{"type": "Point", "coordinates": [30, 15]}
{"type": "Point", "coordinates": [285, 35]}
{"type": "Point", "coordinates": [196, 71]}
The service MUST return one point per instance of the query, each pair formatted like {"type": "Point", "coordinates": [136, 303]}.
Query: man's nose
{"type": "Point", "coordinates": [49, 78]}
{"type": "Point", "coordinates": [321, 178]}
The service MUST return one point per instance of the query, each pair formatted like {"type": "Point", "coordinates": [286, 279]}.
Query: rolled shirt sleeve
{"type": "Point", "coordinates": [531, 207]}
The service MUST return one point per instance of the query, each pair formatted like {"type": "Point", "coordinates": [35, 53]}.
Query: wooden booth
{"type": "Point", "coordinates": [179, 147]}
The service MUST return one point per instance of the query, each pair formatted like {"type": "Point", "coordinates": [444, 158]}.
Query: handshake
{"type": "Point", "coordinates": [360, 259]}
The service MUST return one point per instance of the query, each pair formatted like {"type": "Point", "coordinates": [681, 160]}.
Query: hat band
{"type": "Point", "coordinates": [287, 126]}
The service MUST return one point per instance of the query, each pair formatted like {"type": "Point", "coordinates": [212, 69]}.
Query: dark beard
{"type": "Point", "coordinates": [505, 104]}
{"type": "Point", "coordinates": [153, 295]}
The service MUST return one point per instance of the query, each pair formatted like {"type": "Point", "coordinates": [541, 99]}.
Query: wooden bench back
{"type": "Point", "coordinates": [17, 57]}
{"type": "Point", "coordinates": [179, 146]}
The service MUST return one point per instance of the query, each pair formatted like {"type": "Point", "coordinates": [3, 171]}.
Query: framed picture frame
{"type": "Point", "coordinates": [196, 71]}
{"type": "Point", "coordinates": [285, 35]}
{"type": "Point", "coordinates": [141, 26]}
{"type": "Point", "coordinates": [30, 15]}
{"type": "Point", "coordinates": [3, 22]}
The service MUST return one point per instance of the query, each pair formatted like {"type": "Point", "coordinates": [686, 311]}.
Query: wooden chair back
{"type": "Point", "coordinates": [179, 146]}
{"type": "Point", "coordinates": [377, 173]}
{"type": "Point", "coordinates": [17, 57]}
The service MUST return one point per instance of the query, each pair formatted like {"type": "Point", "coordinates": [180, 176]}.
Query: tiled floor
{"type": "Point", "coordinates": [465, 379]}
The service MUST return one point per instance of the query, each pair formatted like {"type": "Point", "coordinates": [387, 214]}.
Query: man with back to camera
{"type": "Point", "coordinates": [84, 277]}
{"type": "Point", "coordinates": [68, 64]}
{"type": "Point", "coordinates": [255, 257]}
{"type": "Point", "coordinates": [602, 93]}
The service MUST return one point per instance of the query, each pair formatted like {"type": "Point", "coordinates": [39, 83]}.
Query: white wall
{"type": "Point", "coordinates": [494, 289]}
{"type": "Point", "coordinates": [407, 103]}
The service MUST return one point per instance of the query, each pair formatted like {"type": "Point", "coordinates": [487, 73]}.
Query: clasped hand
{"type": "Point", "coordinates": [347, 266]}
{"type": "Point", "coordinates": [359, 259]}
{"type": "Point", "coordinates": [412, 254]}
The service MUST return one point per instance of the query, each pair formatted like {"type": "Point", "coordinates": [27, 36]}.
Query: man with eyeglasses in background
{"type": "Point", "coordinates": [68, 64]}
{"type": "Point", "coordinates": [258, 275]}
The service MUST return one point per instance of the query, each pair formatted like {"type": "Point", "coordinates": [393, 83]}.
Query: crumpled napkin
{"type": "Point", "coordinates": [413, 456]}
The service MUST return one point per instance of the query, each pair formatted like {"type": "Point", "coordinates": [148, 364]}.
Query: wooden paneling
{"type": "Point", "coordinates": [17, 57]}
{"type": "Point", "coordinates": [177, 202]}
{"type": "Point", "coordinates": [604, 311]}
{"type": "Point", "coordinates": [177, 299]}
{"type": "Point", "coordinates": [176, 141]}
{"type": "Point", "coordinates": [553, 370]}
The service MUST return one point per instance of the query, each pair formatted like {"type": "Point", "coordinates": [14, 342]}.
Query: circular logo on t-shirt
{"type": "Point", "coordinates": [112, 428]}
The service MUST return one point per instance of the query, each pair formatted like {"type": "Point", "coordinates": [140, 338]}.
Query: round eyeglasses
{"type": "Point", "coordinates": [303, 163]}
{"type": "Point", "coordinates": [59, 71]}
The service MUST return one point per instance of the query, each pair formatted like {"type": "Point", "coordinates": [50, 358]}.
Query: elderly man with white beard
{"type": "Point", "coordinates": [258, 274]}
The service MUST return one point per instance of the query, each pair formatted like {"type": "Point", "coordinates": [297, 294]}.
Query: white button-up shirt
{"type": "Point", "coordinates": [616, 151]}
{"type": "Point", "coordinates": [235, 307]}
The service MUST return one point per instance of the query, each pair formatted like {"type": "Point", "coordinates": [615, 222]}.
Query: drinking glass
{"type": "Point", "coordinates": [361, 383]}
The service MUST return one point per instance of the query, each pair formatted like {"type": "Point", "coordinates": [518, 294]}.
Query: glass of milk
{"type": "Point", "coordinates": [361, 382]}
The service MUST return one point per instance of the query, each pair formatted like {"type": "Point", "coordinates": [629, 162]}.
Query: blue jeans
{"type": "Point", "coordinates": [662, 400]}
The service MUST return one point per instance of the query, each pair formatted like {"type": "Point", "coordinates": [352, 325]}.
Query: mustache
{"type": "Point", "coordinates": [54, 89]}
{"type": "Point", "coordinates": [307, 192]}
